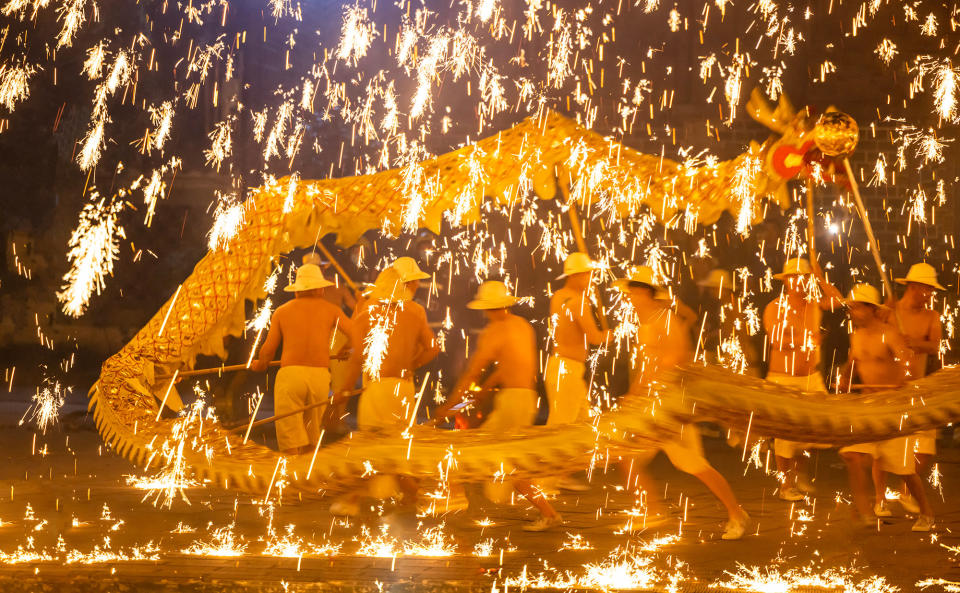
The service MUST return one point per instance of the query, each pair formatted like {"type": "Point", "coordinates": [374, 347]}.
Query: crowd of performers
{"type": "Point", "coordinates": [387, 338]}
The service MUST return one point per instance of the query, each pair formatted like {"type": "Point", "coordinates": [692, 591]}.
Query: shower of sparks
{"type": "Point", "coordinates": [769, 579]}
{"type": "Point", "coordinates": [357, 35]}
{"type": "Point", "coordinates": [14, 84]}
{"type": "Point", "coordinates": [375, 343]}
{"type": "Point", "coordinates": [94, 247]}
{"type": "Point", "coordinates": [228, 218]}
{"type": "Point", "coordinates": [44, 411]}
{"type": "Point", "coordinates": [223, 542]}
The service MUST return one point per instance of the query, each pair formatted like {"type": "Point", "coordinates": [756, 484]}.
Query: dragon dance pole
{"type": "Point", "coordinates": [581, 244]}
{"type": "Point", "coordinates": [350, 283]}
{"type": "Point", "coordinates": [874, 248]}
{"type": "Point", "coordinates": [836, 134]}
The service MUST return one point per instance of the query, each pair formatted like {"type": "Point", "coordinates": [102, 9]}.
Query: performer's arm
{"type": "Point", "coordinates": [898, 346]}
{"type": "Point", "coordinates": [358, 328]}
{"type": "Point", "coordinates": [830, 298]}
{"type": "Point", "coordinates": [586, 322]}
{"type": "Point", "coordinates": [426, 342]}
{"type": "Point", "coordinates": [270, 345]}
{"type": "Point", "coordinates": [483, 357]}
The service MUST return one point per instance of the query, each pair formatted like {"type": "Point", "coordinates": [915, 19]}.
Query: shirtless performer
{"type": "Point", "coordinates": [574, 331]}
{"type": "Point", "coordinates": [410, 276]}
{"type": "Point", "coordinates": [304, 326]}
{"type": "Point", "coordinates": [879, 356]}
{"type": "Point", "coordinates": [508, 343]}
{"type": "Point", "coordinates": [792, 323]}
{"type": "Point", "coordinates": [663, 342]}
{"type": "Point", "coordinates": [726, 338]}
{"type": "Point", "coordinates": [921, 327]}
{"type": "Point", "coordinates": [340, 296]}
{"type": "Point", "coordinates": [389, 395]}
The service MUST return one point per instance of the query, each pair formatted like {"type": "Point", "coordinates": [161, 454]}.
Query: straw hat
{"type": "Point", "coordinates": [717, 278]}
{"type": "Point", "coordinates": [309, 277]}
{"type": "Point", "coordinates": [922, 274]}
{"type": "Point", "coordinates": [492, 295]}
{"type": "Point", "coordinates": [576, 263]}
{"type": "Point", "coordinates": [864, 293]}
{"type": "Point", "coordinates": [314, 258]}
{"type": "Point", "coordinates": [389, 286]}
{"type": "Point", "coordinates": [796, 266]}
{"type": "Point", "coordinates": [638, 275]}
{"type": "Point", "coordinates": [408, 269]}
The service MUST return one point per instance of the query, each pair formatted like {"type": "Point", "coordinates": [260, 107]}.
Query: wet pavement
{"type": "Point", "coordinates": [71, 522]}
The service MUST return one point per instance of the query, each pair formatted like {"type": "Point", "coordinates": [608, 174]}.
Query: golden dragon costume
{"type": "Point", "coordinates": [539, 153]}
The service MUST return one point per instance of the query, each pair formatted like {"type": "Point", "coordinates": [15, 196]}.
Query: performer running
{"type": "Point", "coordinates": [879, 356]}
{"type": "Point", "coordinates": [574, 331]}
{"type": "Point", "coordinates": [726, 337]}
{"type": "Point", "coordinates": [922, 328]}
{"type": "Point", "coordinates": [508, 344]}
{"type": "Point", "coordinates": [792, 323]}
{"type": "Point", "coordinates": [393, 340]}
{"type": "Point", "coordinates": [663, 342]}
{"type": "Point", "coordinates": [305, 326]}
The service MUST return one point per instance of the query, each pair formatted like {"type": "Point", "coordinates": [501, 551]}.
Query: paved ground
{"type": "Point", "coordinates": [79, 503]}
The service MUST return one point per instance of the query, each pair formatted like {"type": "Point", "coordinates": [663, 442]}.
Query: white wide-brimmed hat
{"type": "Point", "coordinates": [408, 269]}
{"type": "Point", "coordinates": [921, 274]}
{"type": "Point", "coordinates": [389, 286]}
{"type": "Point", "coordinates": [795, 266]}
{"type": "Point", "coordinates": [576, 263]}
{"type": "Point", "coordinates": [492, 295]}
{"type": "Point", "coordinates": [864, 293]}
{"type": "Point", "coordinates": [638, 275]}
{"type": "Point", "coordinates": [309, 277]}
{"type": "Point", "coordinates": [717, 278]}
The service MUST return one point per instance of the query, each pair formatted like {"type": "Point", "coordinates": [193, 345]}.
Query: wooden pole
{"type": "Point", "coordinates": [811, 243]}
{"type": "Point", "coordinates": [228, 368]}
{"type": "Point", "coordinates": [251, 425]}
{"type": "Point", "coordinates": [333, 261]}
{"type": "Point", "coordinates": [581, 245]}
{"type": "Point", "coordinates": [874, 248]}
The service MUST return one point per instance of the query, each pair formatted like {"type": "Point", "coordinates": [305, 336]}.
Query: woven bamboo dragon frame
{"type": "Point", "coordinates": [537, 154]}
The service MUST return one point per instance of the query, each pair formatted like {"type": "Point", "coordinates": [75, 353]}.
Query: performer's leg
{"type": "Point", "coordinates": [858, 482]}
{"type": "Point", "coordinates": [879, 483]}
{"type": "Point", "coordinates": [720, 488]}
{"type": "Point", "coordinates": [536, 498]}
{"type": "Point", "coordinates": [915, 485]}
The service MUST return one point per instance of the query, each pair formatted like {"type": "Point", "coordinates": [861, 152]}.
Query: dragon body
{"type": "Point", "coordinates": [543, 153]}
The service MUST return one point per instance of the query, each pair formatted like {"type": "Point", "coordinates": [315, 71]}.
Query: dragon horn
{"type": "Point", "coordinates": [760, 110]}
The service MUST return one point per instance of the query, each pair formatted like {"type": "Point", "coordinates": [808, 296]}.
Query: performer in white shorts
{"type": "Point", "coordinates": [663, 342]}
{"type": "Point", "coordinates": [879, 356]}
{"type": "Point", "coordinates": [388, 400]}
{"type": "Point", "coordinates": [792, 323]}
{"type": "Point", "coordinates": [573, 330]}
{"type": "Point", "coordinates": [304, 326]}
{"type": "Point", "coordinates": [508, 345]}
{"type": "Point", "coordinates": [922, 329]}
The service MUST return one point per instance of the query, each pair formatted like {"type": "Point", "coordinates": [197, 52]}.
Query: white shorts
{"type": "Point", "coordinates": [297, 387]}
{"type": "Point", "coordinates": [567, 392]}
{"type": "Point", "coordinates": [685, 453]}
{"type": "Point", "coordinates": [513, 408]}
{"type": "Point", "coordinates": [893, 455]}
{"type": "Point", "coordinates": [386, 404]}
{"type": "Point", "coordinates": [924, 443]}
{"type": "Point", "coordinates": [812, 383]}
